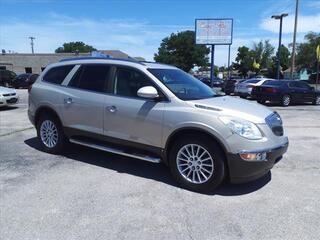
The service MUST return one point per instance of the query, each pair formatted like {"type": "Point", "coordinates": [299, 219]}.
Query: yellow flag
{"type": "Point", "coordinates": [255, 64]}
{"type": "Point", "coordinates": [318, 52]}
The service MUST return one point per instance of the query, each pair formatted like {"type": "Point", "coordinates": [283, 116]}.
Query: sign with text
{"type": "Point", "coordinates": [214, 31]}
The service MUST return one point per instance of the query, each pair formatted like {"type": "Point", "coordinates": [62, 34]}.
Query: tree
{"type": "Point", "coordinates": [75, 46]}
{"type": "Point", "coordinates": [180, 50]}
{"type": "Point", "coordinates": [306, 52]}
{"type": "Point", "coordinates": [262, 53]}
{"type": "Point", "coordinates": [244, 61]}
{"type": "Point", "coordinates": [285, 62]}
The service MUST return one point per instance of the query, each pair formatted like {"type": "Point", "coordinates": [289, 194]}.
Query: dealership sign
{"type": "Point", "coordinates": [214, 31]}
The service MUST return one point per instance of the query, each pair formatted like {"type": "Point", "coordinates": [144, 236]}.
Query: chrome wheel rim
{"type": "Point", "coordinates": [318, 100]}
{"type": "Point", "coordinates": [286, 100]}
{"type": "Point", "coordinates": [195, 163]}
{"type": "Point", "coordinates": [49, 133]}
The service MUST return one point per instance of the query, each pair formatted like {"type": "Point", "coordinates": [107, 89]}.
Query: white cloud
{"type": "Point", "coordinates": [137, 38]}
{"type": "Point", "coordinates": [305, 24]}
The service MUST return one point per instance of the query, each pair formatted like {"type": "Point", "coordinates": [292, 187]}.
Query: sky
{"type": "Point", "coordinates": [138, 26]}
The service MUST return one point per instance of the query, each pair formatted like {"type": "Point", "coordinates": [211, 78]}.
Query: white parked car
{"type": "Point", "coordinates": [244, 88]}
{"type": "Point", "coordinates": [8, 96]}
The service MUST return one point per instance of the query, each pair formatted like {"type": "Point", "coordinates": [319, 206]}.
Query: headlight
{"type": "Point", "coordinates": [242, 127]}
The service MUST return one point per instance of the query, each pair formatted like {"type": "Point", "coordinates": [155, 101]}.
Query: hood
{"type": "Point", "coordinates": [231, 106]}
{"type": "Point", "coordinates": [4, 90]}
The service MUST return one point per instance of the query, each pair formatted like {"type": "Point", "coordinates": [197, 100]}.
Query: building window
{"type": "Point", "coordinates": [28, 70]}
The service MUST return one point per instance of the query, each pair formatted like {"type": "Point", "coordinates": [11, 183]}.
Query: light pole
{"type": "Point", "coordinates": [279, 17]}
{"type": "Point", "coordinates": [294, 40]}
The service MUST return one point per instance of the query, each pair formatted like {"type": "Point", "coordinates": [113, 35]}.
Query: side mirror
{"type": "Point", "coordinates": [148, 92]}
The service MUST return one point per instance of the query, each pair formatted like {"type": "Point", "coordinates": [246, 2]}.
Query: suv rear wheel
{"type": "Point", "coordinates": [50, 134]}
{"type": "Point", "coordinates": [197, 163]}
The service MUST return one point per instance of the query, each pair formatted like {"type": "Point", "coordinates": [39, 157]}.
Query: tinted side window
{"type": "Point", "coordinates": [91, 77]}
{"type": "Point", "coordinates": [302, 84]}
{"type": "Point", "coordinates": [293, 84]}
{"type": "Point", "coordinates": [57, 74]}
{"type": "Point", "coordinates": [128, 82]}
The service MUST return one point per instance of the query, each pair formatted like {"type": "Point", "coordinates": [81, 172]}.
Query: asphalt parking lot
{"type": "Point", "coordinates": [89, 194]}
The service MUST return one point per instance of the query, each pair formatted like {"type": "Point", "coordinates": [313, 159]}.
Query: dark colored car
{"type": "Point", "coordinates": [286, 92]}
{"type": "Point", "coordinates": [230, 84]}
{"type": "Point", "coordinates": [24, 80]}
{"type": "Point", "coordinates": [217, 82]}
{"type": "Point", "coordinates": [6, 77]}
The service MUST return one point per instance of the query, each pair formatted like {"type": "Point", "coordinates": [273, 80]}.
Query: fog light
{"type": "Point", "coordinates": [254, 156]}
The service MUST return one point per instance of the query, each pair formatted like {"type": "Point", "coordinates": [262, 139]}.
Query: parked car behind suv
{"type": "Point", "coordinates": [230, 85]}
{"type": "Point", "coordinates": [8, 97]}
{"type": "Point", "coordinates": [217, 82]}
{"type": "Point", "coordinates": [286, 92]}
{"type": "Point", "coordinates": [24, 80]}
{"type": "Point", "coordinates": [6, 77]}
{"type": "Point", "coordinates": [157, 113]}
{"type": "Point", "coordinates": [244, 89]}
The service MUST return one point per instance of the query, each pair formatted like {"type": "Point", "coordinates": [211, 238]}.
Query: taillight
{"type": "Point", "coordinates": [270, 90]}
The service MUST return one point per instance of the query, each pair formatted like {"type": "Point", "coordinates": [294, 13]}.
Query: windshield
{"type": "Point", "coordinates": [183, 85]}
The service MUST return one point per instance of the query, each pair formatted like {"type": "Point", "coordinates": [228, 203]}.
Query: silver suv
{"type": "Point", "coordinates": [157, 113]}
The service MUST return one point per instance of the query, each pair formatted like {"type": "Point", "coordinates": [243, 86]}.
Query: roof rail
{"type": "Point", "coordinates": [155, 62]}
{"type": "Point", "coordinates": [101, 58]}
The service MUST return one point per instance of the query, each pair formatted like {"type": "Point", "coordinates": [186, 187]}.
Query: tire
{"type": "Point", "coordinates": [211, 177]}
{"type": "Point", "coordinates": [286, 100]}
{"type": "Point", "coordinates": [261, 101]}
{"type": "Point", "coordinates": [316, 101]}
{"type": "Point", "coordinates": [49, 124]}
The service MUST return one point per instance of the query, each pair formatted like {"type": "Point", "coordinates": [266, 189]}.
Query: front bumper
{"type": "Point", "coordinates": [10, 100]}
{"type": "Point", "coordinates": [241, 171]}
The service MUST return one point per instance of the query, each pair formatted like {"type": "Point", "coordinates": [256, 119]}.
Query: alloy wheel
{"type": "Point", "coordinates": [195, 163]}
{"type": "Point", "coordinates": [286, 100]}
{"type": "Point", "coordinates": [49, 133]}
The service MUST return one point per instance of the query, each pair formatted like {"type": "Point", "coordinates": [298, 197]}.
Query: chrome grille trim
{"type": "Point", "coordinates": [274, 121]}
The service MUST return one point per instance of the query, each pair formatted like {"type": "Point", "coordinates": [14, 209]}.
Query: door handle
{"type": "Point", "coordinates": [112, 109]}
{"type": "Point", "coordinates": [68, 100]}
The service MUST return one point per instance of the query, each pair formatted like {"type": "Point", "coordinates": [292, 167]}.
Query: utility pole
{"type": "Point", "coordinates": [32, 44]}
{"type": "Point", "coordinates": [293, 55]}
{"type": "Point", "coordinates": [279, 17]}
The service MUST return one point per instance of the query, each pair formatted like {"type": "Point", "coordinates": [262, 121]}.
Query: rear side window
{"type": "Point", "coordinates": [93, 77]}
{"type": "Point", "coordinates": [56, 75]}
{"type": "Point", "coordinates": [274, 83]}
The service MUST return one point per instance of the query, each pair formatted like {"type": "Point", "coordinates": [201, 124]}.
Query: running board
{"type": "Point", "coordinates": [117, 151]}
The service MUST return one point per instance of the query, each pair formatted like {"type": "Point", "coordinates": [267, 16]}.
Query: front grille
{"type": "Point", "coordinates": [12, 100]}
{"type": "Point", "coordinates": [275, 123]}
{"type": "Point", "coordinates": [9, 94]}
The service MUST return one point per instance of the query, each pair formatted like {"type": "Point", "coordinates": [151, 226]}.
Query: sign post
{"type": "Point", "coordinates": [214, 32]}
{"type": "Point", "coordinates": [318, 61]}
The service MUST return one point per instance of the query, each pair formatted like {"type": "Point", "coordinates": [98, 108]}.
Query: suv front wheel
{"type": "Point", "coordinates": [50, 134]}
{"type": "Point", "coordinates": [197, 163]}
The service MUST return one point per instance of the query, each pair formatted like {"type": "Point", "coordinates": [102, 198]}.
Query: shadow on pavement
{"type": "Point", "coordinates": [157, 172]}
{"type": "Point", "coordinates": [8, 108]}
